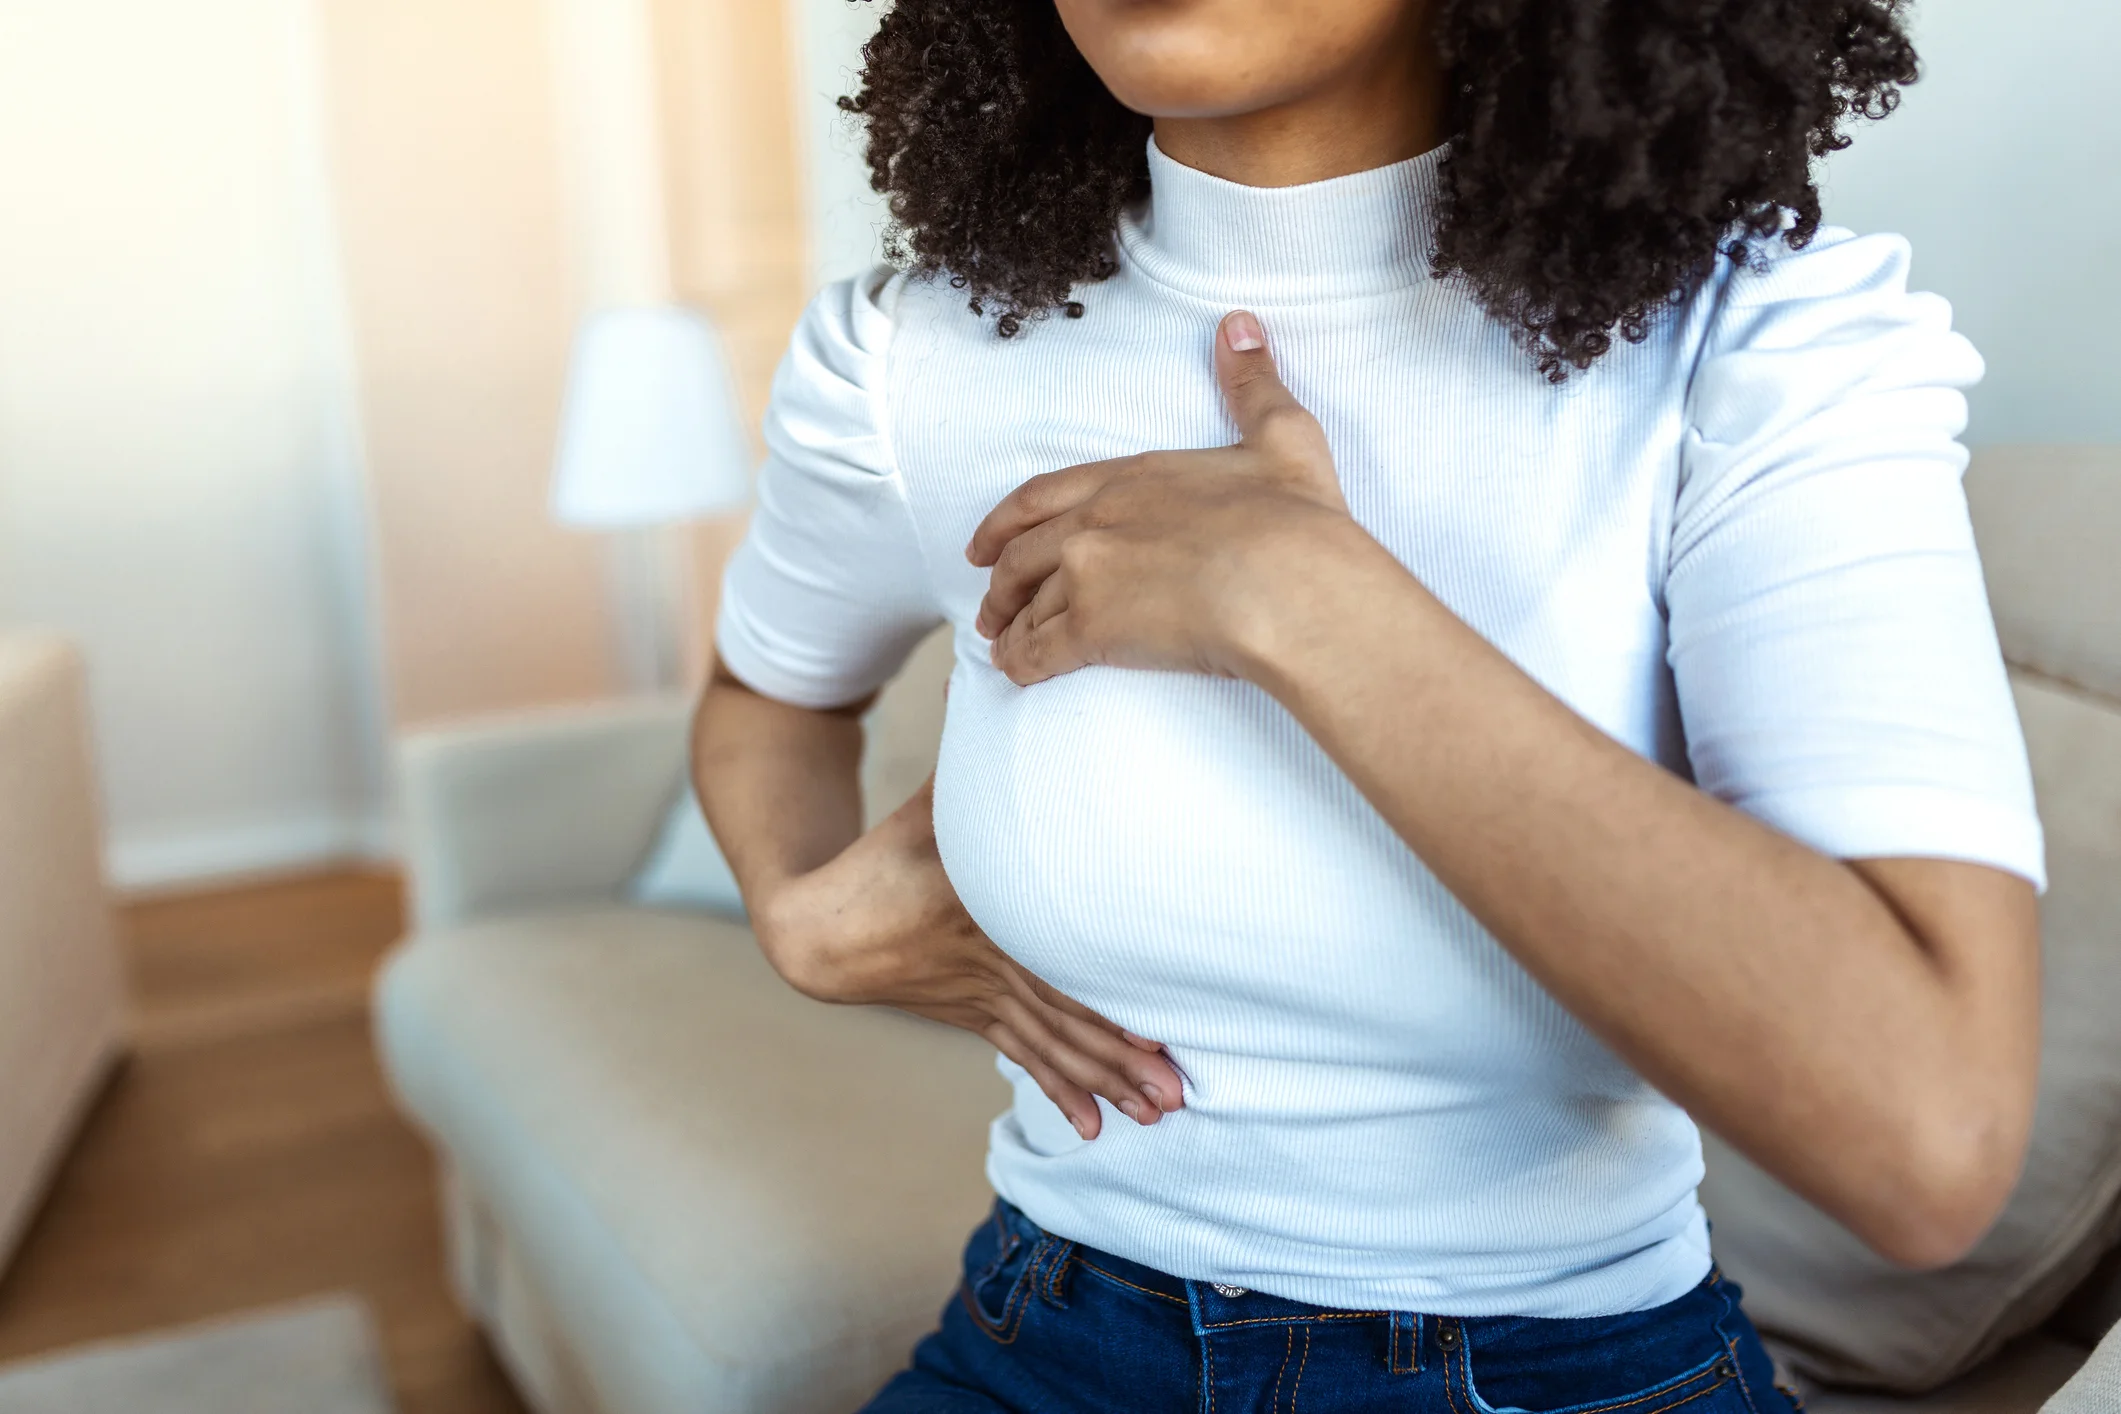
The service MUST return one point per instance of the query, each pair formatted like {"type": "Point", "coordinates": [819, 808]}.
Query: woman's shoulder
{"type": "Point", "coordinates": [1791, 329]}
{"type": "Point", "coordinates": [829, 392]}
{"type": "Point", "coordinates": [846, 330]}
{"type": "Point", "coordinates": [1837, 277]}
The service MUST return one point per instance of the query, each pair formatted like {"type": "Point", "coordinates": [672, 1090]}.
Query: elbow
{"type": "Point", "coordinates": [1943, 1190]}
{"type": "Point", "coordinates": [790, 940]}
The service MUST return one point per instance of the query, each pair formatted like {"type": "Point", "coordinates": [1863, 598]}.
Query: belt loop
{"type": "Point", "coordinates": [1405, 1356]}
{"type": "Point", "coordinates": [1051, 1279]}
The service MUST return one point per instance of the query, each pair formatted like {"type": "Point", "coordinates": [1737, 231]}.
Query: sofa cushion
{"type": "Point", "coordinates": [2096, 1387]}
{"type": "Point", "coordinates": [2093, 1310]}
{"type": "Point", "coordinates": [1842, 1315]}
{"type": "Point", "coordinates": [737, 1198]}
{"type": "Point", "coordinates": [2047, 519]}
{"type": "Point", "coordinates": [686, 868]}
{"type": "Point", "coordinates": [2020, 1380]}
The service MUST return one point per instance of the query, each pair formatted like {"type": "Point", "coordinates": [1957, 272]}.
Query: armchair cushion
{"type": "Point", "coordinates": [730, 1196]}
{"type": "Point", "coordinates": [686, 869]}
{"type": "Point", "coordinates": [62, 990]}
{"type": "Point", "coordinates": [536, 808]}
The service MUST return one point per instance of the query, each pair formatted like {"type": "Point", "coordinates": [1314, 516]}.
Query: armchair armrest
{"type": "Point", "coordinates": [62, 985]}
{"type": "Point", "coordinates": [510, 813]}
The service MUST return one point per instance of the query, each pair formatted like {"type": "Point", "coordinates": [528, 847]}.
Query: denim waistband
{"type": "Point", "coordinates": [1215, 1306]}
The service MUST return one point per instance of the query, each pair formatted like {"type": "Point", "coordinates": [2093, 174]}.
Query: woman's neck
{"type": "Point", "coordinates": [1386, 109]}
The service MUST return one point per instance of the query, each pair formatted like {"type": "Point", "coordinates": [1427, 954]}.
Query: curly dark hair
{"type": "Point", "coordinates": [1603, 153]}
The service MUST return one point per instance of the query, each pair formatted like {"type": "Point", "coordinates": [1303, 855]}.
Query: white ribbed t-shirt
{"type": "Point", "coordinates": [1739, 547]}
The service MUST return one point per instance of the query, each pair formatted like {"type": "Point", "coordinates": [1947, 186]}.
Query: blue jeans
{"type": "Point", "coordinates": [1042, 1325]}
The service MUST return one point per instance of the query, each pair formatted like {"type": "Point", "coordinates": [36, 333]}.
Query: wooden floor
{"type": "Point", "coordinates": [247, 1152]}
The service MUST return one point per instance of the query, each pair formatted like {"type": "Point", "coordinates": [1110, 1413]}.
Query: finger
{"type": "Point", "coordinates": [1024, 564]}
{"type": "Point", "coordinates": [1080, 1065]}
{"type": "Point", "coordinates": [1170, 1093]}
{"type": "Point", "coordinates": [1039, 642]}
{"type": "Point", "coordinates": [1251, 384]}
{"type": "Point", "coordinates": [1151, 1073]}
{"type": "Point", "coordinates": [1038, 500]}
{"type": "Point", "coordinates": [1070, 1099]}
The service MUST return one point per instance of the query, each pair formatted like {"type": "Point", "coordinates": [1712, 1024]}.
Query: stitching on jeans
{"type": "Point", "coordinates": [1295, 1320]}
{"type": "Point", "coordinates": [1730, 1342]}
{"type": "Point", "coordinates": [1059, 1264]}
{"type": "Point", "coordinates": [1450, 1394]}
{"type": "Point", "coordinates": [1005, 1243]}
{"type": "Point", "coordinates": [1406, 1333]}
{"type": "Point", "coordinates": [1669, 1387]}
{"type": "Point", "coordinates": [1705, 1389]}
{"type": "Point", "coordinates": [1300, 1367]}
{"type": "Point", "coordinates": [1089, 1266]}
{"type": "Point", "coordinates": [1288, 1348]}
{"type": "Point", "coordinates": [1664, 1391]}
{"type": "Point", "coordinates": [1003, 1330]}
{"type": "Point", "coordinates": [1003, 1333]}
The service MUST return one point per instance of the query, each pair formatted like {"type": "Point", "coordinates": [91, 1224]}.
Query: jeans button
{"type": "Point", "coordinates": [1726, 1370]}
{"type": "Point", "coordinates": [1447, 1335]}
{"type": "Point", "coordinates": [1222, 1290]}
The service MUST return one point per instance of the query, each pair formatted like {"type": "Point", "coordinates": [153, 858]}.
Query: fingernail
{"type": "Point", "coordinates": [1156, 1096]}
{"type": "Point", "coordinates": [1133, 1110]}
{"type": "Point", "coordinates": [1141, 1041]}
{"type": "Point", "coordinates": [1242, 332]}
{"type": "Point", "coordinates": [1082, 1129]}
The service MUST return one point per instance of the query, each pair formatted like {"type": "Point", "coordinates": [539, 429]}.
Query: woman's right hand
{"type": "Point", "coordinates": [881, 925]}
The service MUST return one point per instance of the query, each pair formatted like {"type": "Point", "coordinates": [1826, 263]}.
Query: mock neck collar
{"type": "Point", "coordinates": [1361, 234]}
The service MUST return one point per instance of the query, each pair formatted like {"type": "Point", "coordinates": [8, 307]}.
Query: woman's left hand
{"type": "Point", "coordinates": [1176, 560]}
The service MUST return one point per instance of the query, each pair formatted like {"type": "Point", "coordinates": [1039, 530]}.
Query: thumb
{"type": "Point", "coordinates": [1251, 385]}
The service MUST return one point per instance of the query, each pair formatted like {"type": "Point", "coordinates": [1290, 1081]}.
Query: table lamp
{"type": "Point", "coordinates": [650, 435]}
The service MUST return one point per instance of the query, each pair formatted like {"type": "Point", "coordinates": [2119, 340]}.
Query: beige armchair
{"type": "Point", "coordinates": [62, 1000]}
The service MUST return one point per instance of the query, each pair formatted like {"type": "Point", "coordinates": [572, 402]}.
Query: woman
{"type": "Point", "coordinates": [1466, 742]}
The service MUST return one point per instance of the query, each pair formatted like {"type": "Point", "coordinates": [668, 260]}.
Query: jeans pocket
{"type": "Point", "coordinates": [1644, 1362]}
{"type": "Point", "coordinates": [999, 1262]}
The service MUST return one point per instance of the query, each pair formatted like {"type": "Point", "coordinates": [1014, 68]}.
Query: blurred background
{"type": "Point", "coordinates": [311, 317]}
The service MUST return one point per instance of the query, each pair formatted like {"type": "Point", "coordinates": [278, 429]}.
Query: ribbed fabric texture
{"type": "Point", "coordinates": [1739, 547]}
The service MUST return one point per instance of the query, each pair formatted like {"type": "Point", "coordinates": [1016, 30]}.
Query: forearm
{"type": "Point", "coordinates": [850, 917]}
{"type": "Point", "coordinates": [779, 785]}
{"type": "Point", "coordinates": [1774, 992]}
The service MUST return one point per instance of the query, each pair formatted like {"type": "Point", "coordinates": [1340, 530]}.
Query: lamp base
{"type": "Point", "coordinates": [646, 575]}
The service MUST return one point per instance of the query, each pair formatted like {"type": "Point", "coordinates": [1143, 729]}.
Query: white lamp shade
{"type": "Point", "coordinates": [650, 431]}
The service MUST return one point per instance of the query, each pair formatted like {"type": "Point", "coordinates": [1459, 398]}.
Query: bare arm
{"type": "Point", "coordinates": [1866, 1030]}
{"type": "Point", "coordinates": [871, 918]}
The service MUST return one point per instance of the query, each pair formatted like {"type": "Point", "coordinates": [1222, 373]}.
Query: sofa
{"type": "Point", "coordinates": [673, 1185]}
{"type": "Point", "coordinates": [62, 988]}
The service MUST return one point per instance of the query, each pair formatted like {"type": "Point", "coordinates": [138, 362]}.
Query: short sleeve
{"type": "Point", "coordinates": [828, 593]}
{"type": "Point", "coordinates": [1832, 648]}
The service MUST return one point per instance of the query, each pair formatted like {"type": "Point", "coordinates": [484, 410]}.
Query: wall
{"type": "Point", "coordinates": [286, 288]}
{"type": "Point", "coordinates": [178, 463]}
{"type": "Point", "coordinates": [2003, 166]}
{"type": "Point", "coordinates": [444, 150]}
{"type": "Point", "coordinates": [452, 127]}
{"type": "Point", "coordinates": [846, 217]}
{"type": "Point", "coordinates": [735, 197]}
